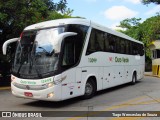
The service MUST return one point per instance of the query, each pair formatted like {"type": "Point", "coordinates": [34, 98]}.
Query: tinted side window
{"type": "Point", "coordinates": [102, 41]}
{"type": "Point", "coordinates": [127, 44]}
{"type": "Point", "coordinates": [118, 44]}
{"type": "Point", "coordinates": [69, 51]}
{"type": "Point", "coordinates": [134, 49]}
{"type": "Point", "coordinates": [123, 46]}
{"type": "Point", "coordinates": [92, 43]}
{"type": "Point", "coordinates": [79, 39]}
{"type": "Point", "coordinates": [96, 41]}
{"type": "Point", "coordinates": [141, 50]}
{"type": "Point", "coordinates": [73, 45]}
{"type": "Point", "coordinates": [112, 43]}
{"type": "Point", "coordinates": [106, 42]}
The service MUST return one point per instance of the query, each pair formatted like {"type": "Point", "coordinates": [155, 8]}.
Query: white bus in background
{"type": "Point", "coordinates": [61, 59]}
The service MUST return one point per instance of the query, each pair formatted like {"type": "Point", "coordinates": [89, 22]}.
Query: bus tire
{"type": "Point", "coordinates": [134, 78]}
{"type": "Point", "coordinates": [90, 89]}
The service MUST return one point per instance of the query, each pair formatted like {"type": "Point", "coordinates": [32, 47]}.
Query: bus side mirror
{"type": "Point", "coordinates": [60, 38]}
{"type": "Point", "coordinates": [6, 43]}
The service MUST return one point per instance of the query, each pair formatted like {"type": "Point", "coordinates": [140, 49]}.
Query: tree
{"type": "Point", "coordinates": [151, 1]}
{"type": "Point", "coordinates": [130, 25]}
{"type": "Point", "coordinates": [146, 32]}
{"type": "Point", "coordinates": [17, 14]}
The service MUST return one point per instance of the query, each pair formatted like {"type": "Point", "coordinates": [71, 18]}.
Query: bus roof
{"type": "Point", "coordinates": [61, 22]}
{"type": "Point", "coordinates": [58, 22]}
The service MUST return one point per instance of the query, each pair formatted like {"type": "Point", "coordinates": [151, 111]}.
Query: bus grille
{"type": "Point", "coordinates": [29, 87]}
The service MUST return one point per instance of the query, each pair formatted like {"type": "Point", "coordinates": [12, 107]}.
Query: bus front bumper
{"type": "Point", "coordinates": [49, 94]}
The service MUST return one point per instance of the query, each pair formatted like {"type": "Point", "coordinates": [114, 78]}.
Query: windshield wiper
{"type": "Point", "coordinates": [20, 67]}
{"type": "Point", "coordinates": [46, 52]}
{"type": "Point", "coordinates": [21, 63]}
{"type": "Point", "coordinates": [34, 63]}
{"type": "Point", "coordinates": [33, 59]}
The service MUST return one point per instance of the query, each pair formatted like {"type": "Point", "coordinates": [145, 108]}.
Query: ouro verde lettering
{"type": "Point", "coordinates": [28, 82]}
{"type": "Point", "coordinates": [124, 60]}
{"type": "Point", "coordinates": [117, 59]}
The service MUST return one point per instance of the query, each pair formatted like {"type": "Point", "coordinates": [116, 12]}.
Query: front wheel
{"type": "Point", "coordinates": [90, 89]}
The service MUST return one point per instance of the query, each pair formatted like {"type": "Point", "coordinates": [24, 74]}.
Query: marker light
{"type": "Point", "coordinates": [12, 78]}
{"type": "Point", "coordinates": [21, 35]}
{"type": "Point", "coordinates": [48, 85]}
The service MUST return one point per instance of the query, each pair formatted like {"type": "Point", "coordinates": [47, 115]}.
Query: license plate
{"type": "Point", "coordinates": [28, 94]}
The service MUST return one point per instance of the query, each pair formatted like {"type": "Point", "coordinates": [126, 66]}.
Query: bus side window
{"type": "Point", "coordinates": [127, 51]}
{"type": "Point", "coordinates": [123, 46]}
{"type": "Point", "coordinates": [100, 40]}
{"type": "Point", "coordinates": [141, 50]}
{"type": "Point", "coordinates": [117, 45]}
{"type": "Point", "coordinates": [134, 48]}
{"type": "Point", "coordinates": [96, 41]}
{"type": "Point", "coordinates": [68, 54]}
{"type": "Point", "coordinates": [111, 43]}
{"type": "Point", "coordinates": [92, 42]}
{"type": "Point", "coordinates": [106, 43]}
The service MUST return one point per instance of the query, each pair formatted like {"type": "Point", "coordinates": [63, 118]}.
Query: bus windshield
{"type": "Point", "coordinates": [35, 54]}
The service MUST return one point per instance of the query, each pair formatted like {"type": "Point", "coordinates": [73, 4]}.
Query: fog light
{"type": "Point", "coordinates": [50, 95]}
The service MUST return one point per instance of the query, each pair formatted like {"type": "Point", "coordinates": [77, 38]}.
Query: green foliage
{"type": "Point", "coordinates": [56, 15]}
{"type": "Point", "coordinates": [129, 23]}
{"type": "Point", "coordinates": [151, 1]}
{"type": "Point", "coordinates": [146, 32]}
{"type": "Point", "coordinates": [17, 14]}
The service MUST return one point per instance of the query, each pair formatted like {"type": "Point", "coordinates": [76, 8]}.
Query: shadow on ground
{"type": "Point", "coordinates": [65, 103]}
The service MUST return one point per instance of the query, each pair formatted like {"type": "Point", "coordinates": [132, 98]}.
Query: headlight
{"type": "Point", "coordinates": [48, 85]}
{"type": "Point", "coordinates": [58, 81]}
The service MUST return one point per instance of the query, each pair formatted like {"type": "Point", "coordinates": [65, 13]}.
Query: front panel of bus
{"type": "Point", "coordinates": [38, 70]}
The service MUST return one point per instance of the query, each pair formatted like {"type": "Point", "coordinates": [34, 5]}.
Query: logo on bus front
{"type": "Point", "coordinates": [43, 81]}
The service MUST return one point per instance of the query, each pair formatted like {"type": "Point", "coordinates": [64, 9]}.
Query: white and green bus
{"type": "Point", "coordinates": [61, 59]}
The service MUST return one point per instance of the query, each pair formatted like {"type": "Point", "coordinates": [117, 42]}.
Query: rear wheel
{"type": "Point", "coordinates": [90, 89]}
{"type": "Point", "coordinates": [134, 79]}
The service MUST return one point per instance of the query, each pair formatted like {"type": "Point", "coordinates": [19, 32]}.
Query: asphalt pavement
{"type": "Point", "coordinates": [143, 96]}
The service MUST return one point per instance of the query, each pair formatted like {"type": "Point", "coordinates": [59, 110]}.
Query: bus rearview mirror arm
{"type": "Point", "coordinates": [60, 38]}
{"type": "Point", "coordinates": [6, 43]}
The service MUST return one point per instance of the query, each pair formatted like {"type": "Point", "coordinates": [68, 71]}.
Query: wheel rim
{"type": "Point", "coordinates": [88, 89]}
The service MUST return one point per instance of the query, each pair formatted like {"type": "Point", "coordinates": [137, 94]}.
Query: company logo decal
{"type": "Point", "coordinates": [118, 59]}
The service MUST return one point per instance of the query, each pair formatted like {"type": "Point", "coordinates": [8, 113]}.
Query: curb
{"type": "Point", "coordinates": [5, 88]}
{"type": "Point", "coordinates": [152, 75]}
